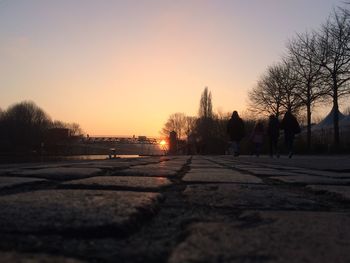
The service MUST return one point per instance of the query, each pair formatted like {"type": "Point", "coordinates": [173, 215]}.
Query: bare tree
{"type": "Point", "coordinates": [265, 97]}
{"type": "Point", "coordinates": [333, 54]}
{"type": "Point", "coordinates": [275, 92]}
{"type": "Point", "coordinates": [176, 122]}
{"type": "Point", "coordinates": [74, 128]}
{"type": "Point", "coordinates": [308, 74]}
{"type": "Point", "coordinates": [58, 124]}
{"type": "Point", "coordinates": [190, 125]}
{"type": "Point", "coordinates": [288, 81]}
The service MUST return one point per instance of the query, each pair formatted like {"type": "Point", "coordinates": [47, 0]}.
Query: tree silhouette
{"type": "Point", "coordinates": [205, 106]}
{"type": "Point", "coordinates": [24, 125]}
{"type": "Point", "coordinates": [176, 122]}
{"type": "Point", "coordinates": [333, 54]}
{"type": "Point", "coordinates": [74, 128]}
{"type": "Point", "coordinates": [308, 74]}
{"type": "Point", "coordinates": [205, 123]}
{"type": "Point", "coordinates": [276, 91]}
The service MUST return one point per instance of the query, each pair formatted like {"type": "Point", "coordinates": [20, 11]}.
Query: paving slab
{"type": "Point", "coordinates": [43, 165]}
{"type": "Point", "coordinates": [339, 190]}
{"type": "Point", "coordinates": [60, 173]}
{"type": "Point", "coordinates": [309, 179]}
{"type": "Point", "coordinates": [201, 162]}
{"type": "Point", "coordinates": [286, 168]}
{"type": "Point", "coordinates": [325, 173]}
{"type": "Point", "coordinates": [285, 237]}
{"type": "Point", "coordinates": [146, 172]}
{"type": "Point", "coordinates": [5, 171]}
{"type": "Point", "coordinates": [246, 196]}
{"type": "Point", "coordinates": [6, 182]}
{"type": "Point", "coordinates": [165, 165]}
{"type": "Point", "coordinates": [224, 162]}
{"type": "Point", "coordinates": [102, 165]}
{"type": "Point", "coordinates": [180, 160]}
{"type": "Point", "coordinates": [75, 210]}
{"type": "Point", "coordinates": [142, 161]}
{"type": "Point", "coordinates": [205, 166]}
{"type": "Point", "coordinates": [269, 172]}
{"type": "Point", "coordinates": [16, 257]}
{"type": "Point", "coordinates": [332, 162]}
{"type": "Point", "coordinates": [136, 182]}
{"type": "Point", "coordinates": [200, 158]}
{"type": "Point", "coordinates": [219, 175]}
{"type": "Point", "coordinates": [280, 167]}
{"type": "Point", "coordinates": [245, 166]}
{"type": "Point", "coordinates": [149, 160]}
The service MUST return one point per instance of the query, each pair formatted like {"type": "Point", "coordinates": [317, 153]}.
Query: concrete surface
{"type": "Point", "coordinates": [177, 209]}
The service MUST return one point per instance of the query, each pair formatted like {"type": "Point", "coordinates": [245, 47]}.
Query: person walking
{"type": "Point", "coordinates": [257, 137]}
{"type": "Point", "coordinates": [273, 133]}
{"type": "Point", "coordinates": [291, 127]}
{"type": "Point", "coordinates": [236, 131]}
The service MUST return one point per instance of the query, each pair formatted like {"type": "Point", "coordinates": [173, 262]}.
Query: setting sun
{"type": "Point", "coordinates": [162, 143]}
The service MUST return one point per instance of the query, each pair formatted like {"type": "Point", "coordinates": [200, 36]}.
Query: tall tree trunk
{"type": "Point", "coordinates": [336, 115]}
{"type": "Point", "coordinates": [308, 116]}
{"type": "Point", "coordinates": [308, 113]}
{"type": "Point", "coordinates": [277, 110]}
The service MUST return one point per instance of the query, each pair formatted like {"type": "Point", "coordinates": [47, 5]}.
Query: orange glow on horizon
{"type": "Point", "coordinates": [120, 68]}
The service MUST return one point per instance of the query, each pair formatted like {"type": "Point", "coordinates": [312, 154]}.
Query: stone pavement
{"type": "Point", "coordinates": [177, 209]}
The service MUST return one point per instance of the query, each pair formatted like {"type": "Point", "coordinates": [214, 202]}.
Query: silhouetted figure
{"type": "Point", "coordinates": [291, 127]}
{"type": "Point", "coordinates": [257, 137]}
{"type": "Point", "coordinates": [273, 132]}
{"type": "Point", "coordinates": [112, 153]}
{"type": "Point", "coordinates": [235, 129]}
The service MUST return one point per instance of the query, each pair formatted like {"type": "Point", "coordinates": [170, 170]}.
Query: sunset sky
{"type": "Point", "coordinates": [121, 67]}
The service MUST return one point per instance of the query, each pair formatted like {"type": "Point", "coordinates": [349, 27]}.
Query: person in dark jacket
{"type": "Point", "coordinates": [291, 127]}
{"type": "Point", "coordinates": [273, 132]}
{"type": "Point", "coordinates": [236, 131]}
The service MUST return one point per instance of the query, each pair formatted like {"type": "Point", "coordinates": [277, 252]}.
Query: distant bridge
{"type": "Point", "coordinates": [113, 145]}
{"type": "Point", "coordinates": [121, 140]}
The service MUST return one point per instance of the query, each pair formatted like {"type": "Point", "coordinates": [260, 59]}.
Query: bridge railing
{"type": "Point", "coordinates": [122, 140]}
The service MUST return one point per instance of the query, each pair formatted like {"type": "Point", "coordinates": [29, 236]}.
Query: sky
{"type": "Point", "coordinates": [121, 67]}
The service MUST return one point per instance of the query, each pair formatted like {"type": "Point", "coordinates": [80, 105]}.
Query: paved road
{"type": "Point", "coordinates": [177, 209]}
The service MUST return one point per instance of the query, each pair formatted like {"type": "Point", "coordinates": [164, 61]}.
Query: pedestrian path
{"type": "Point", "coordinates": [177, 209]}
